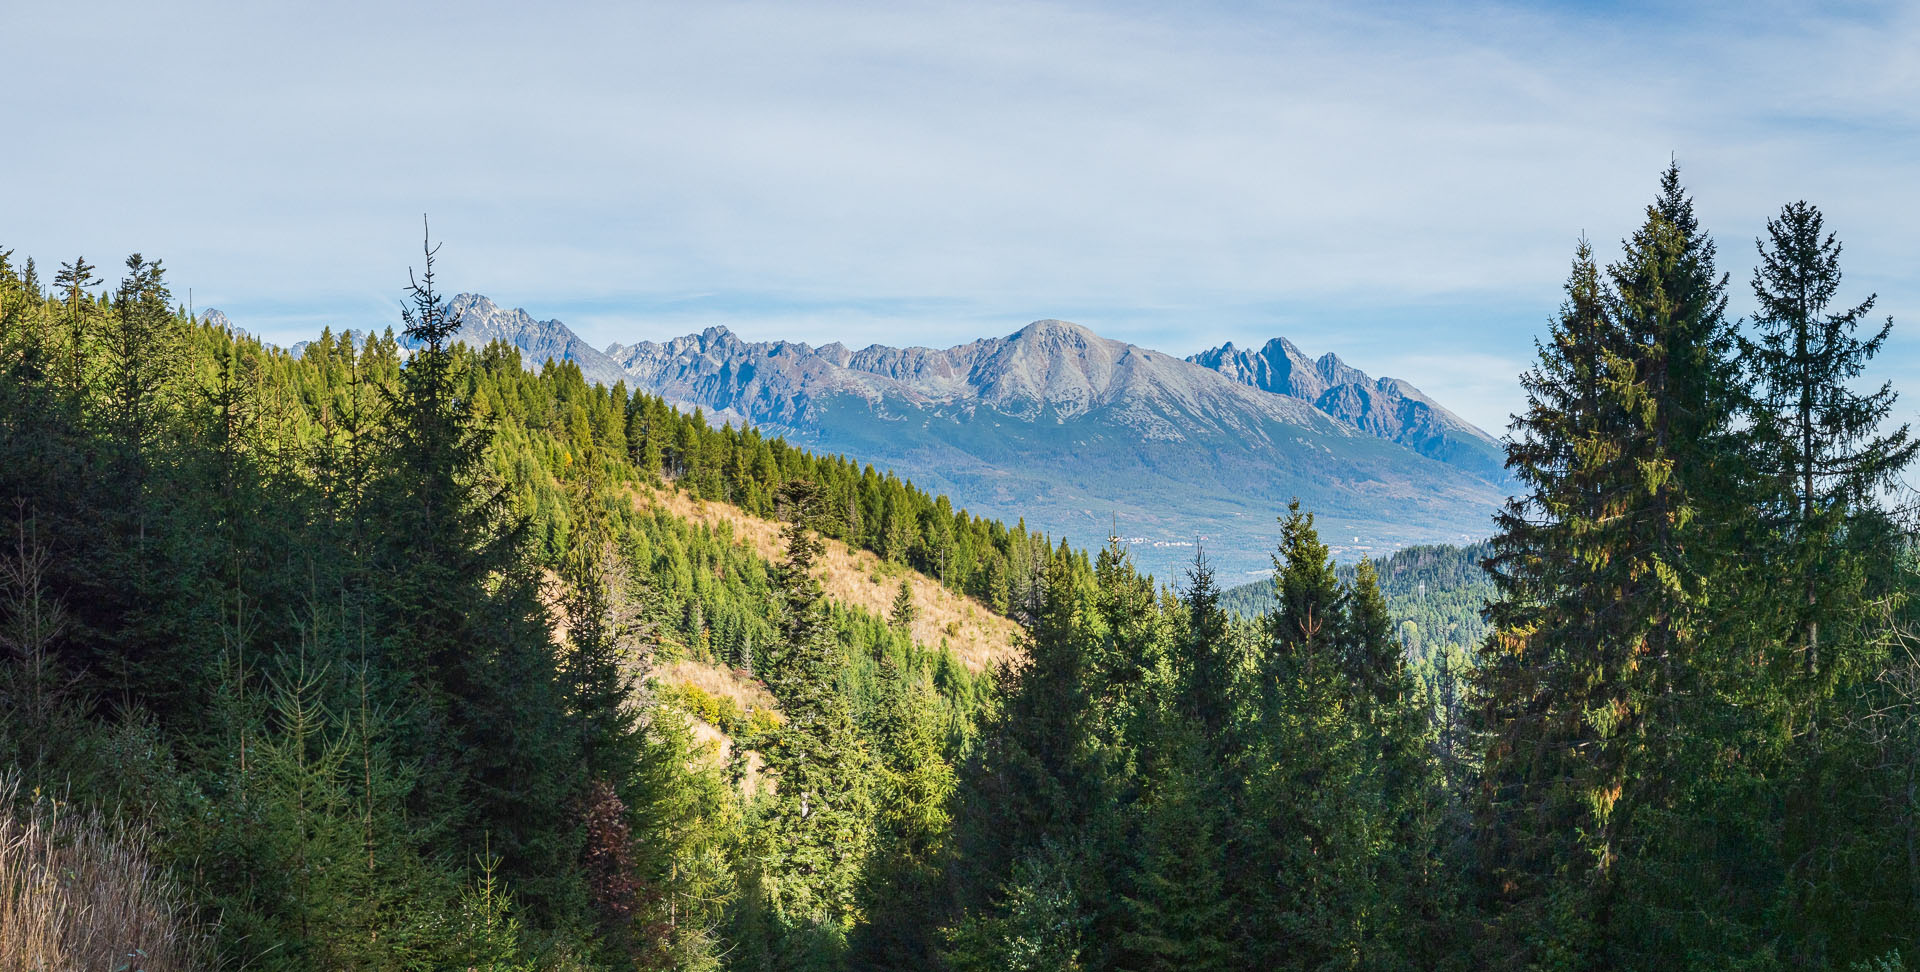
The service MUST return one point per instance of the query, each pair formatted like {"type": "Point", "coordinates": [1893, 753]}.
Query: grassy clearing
{"type": "Point", "coordinates": [977, 636]}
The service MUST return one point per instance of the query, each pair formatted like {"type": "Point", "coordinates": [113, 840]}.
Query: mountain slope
{"type": "Point", "coordinates": [1386, 407]}
{"type": "Point", "coordinates": [1083, 436]}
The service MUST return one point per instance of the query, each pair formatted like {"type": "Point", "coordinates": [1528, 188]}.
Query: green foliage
{"type": "Point", "coordinates": [369, 639]}
{"type": "Point", "coordinates": [812, 840]}
{"type": "Point", "coordinates": [288, 609]}
{"type": "Point", "coordinates": [1662, 768]}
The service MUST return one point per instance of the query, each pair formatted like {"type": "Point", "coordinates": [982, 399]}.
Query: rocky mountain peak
{"type": "Point", "coordinates": [1336, 372]}
{"type": "Point", "coordinates": [998, 423]}
{"type": "Point", "coordinates": [1050, 329]}
{"type": "Point", "coordinates": [1387, 407]}
{"type": "Point", "coordinates": [483, 321]}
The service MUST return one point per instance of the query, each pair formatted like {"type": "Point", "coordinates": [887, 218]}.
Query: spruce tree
{"type": "Point", "coordinates": [1178, 914]}
{"type": "Point", "coordinates": [603, 626]}
{"type": "Point", "coordinates": [1544, 669]}
{"type": "Point", "coordinates": [72, 282]}
{"type": "Point", "coordinates": [1396, 719]}
{"type": "Point", "coordinates": [1822, 445]}
{"type": "Point", "coordinates": [913, 796]}
{"type": "Point", "coordinates": [1178, 908]}
{"type": "Point", "coordinates": [1215, 665]}
{"type": "Point", "coordinates": [1301, 873]}
{"type": "Point", "coordinates": [1597, 684]}
{"type": "Point", "coordinates": [1818, 446]}
{"type": "Point", "coordinates": [1031, 793]}
{"type": "Point", "coordinates": [467, 636]}
{"type": "Point", "coordinates": [903, 613]}
{"type": "Point", "coordinates": [817, 833]}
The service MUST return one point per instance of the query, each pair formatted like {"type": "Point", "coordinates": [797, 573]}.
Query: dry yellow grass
{"type": "Point", "coordinates": [745, 691]}
{"type": "Point", "coordinates": [78, 893]}
{"type": "Point", "coordinates": [979, 637]}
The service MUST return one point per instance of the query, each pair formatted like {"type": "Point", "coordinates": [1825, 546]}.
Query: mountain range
{"type": "Point", "coordinates": [1084, 436]}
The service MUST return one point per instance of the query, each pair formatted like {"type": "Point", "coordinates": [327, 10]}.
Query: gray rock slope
{"type": "Point", "coordinates": [1386, 407]}
{"type": "Point", "coordinates": [482, 321]}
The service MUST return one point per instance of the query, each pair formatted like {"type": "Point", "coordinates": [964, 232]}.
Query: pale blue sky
{"type": "Point", "coordinates": [1402, 184]}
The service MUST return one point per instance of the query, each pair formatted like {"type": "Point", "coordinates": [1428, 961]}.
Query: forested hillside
{"type": "Point", "coordinates": [377, 659]}
{"type": "Point", "coordinates": [361, 604]}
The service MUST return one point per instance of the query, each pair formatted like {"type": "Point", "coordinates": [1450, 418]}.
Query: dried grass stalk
{"type": "Point", "coordinates": [79, 893]}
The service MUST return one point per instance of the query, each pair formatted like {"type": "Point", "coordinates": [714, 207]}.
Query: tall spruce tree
{"type": "Point", "coordinates": [1596, 683]}
{"type": "Point", "coordinates": [914, 791]}
{"type": "Point", "coordinates": [467, 636]}
{"type": "Point", "coordinates": [818, 831]}
{"type": "Point", "coordinates": [1819, 447]}
{"type": "Point", "coordinates": [1546, 674]}
{"type": "Point", "coordinates": [1178, 909]}
{"type": "Point", "coordinates": [1396, 724]}
{"type": "Point", "coordinates": [1031, 793]}
{"type": "Point", "coordinates": [72, 282]}
{"type": "Point", "coordinates": [1821, 444]}
{"type": "Point", "coordinates": [1302, 871]}
{"type": "Point", "coordinates": [604, 628]}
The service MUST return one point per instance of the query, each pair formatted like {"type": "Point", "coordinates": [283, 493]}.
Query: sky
{"type": "Point", "coordinates": [1402, 184]}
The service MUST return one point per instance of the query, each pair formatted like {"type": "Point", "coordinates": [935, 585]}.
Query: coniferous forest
{"type": "Point", "coordinates": [351, 659]}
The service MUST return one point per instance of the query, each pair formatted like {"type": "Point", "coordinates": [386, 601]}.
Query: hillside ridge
{"type": "Point", "coordinates": [852, 577]}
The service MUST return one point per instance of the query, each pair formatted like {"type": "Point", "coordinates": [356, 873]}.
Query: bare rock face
{"type": "Point", "coordinates": [1386, 407]}
{"type": "Point", "coordinates": [1279, 367]}
{"type": "Point", "coordinates": [482, 322]}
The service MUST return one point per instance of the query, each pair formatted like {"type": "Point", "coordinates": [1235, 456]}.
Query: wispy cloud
{"type": "Point", "coordinates": [1359, 177]}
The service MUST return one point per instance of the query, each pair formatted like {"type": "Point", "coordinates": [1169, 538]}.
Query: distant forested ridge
{"type": "Point", "coordinates": [394, 655]}
{"type": "Point", "coordinates": [1435, 595]}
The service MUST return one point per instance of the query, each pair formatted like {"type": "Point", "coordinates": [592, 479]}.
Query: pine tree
{"type": "Point", "coordinates": [818, 832]}
{"type": "Point", "coordinates": [903, 613]}
{"type": "Point", "coordinates": [1818, 446]}
{"type": "Point", "coordinates": [1821, 442]}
